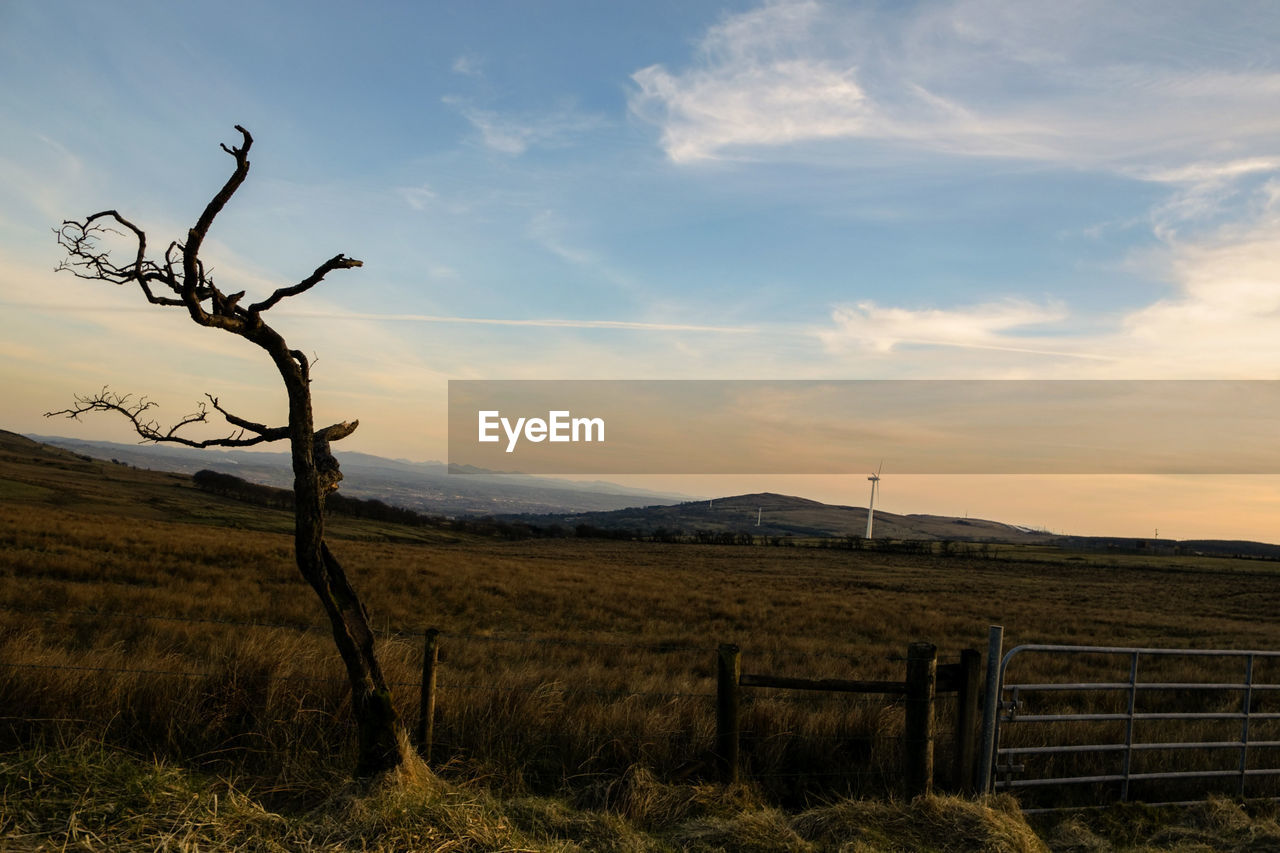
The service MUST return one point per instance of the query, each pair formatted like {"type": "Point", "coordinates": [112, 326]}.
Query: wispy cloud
{"type": "Point", "coordinates": [39, 182]}
{"type": "Point", "coordinates": [1006, 326]}
{"type": "Point", "coordinates": [546, 229]}
{"type": "Point", "coordinates": [1219, 320]}
{"type": "Point", "coordinates": [419, 197]}
{"type": "Point", "coordinates": [468, 66]}
{"type": "Point", "coordinates": [1223, 318]}
{"type": "Point", "coordinates": [516, 134]}
{"type": "Point", "coordinates": [1201, 192]}
{"type": "Point", "coordinates": [1210, 172]}
{"type": "Point", "coordinates": [754, 84]}
{"type": "Point", "coordinates": [1078, 85]}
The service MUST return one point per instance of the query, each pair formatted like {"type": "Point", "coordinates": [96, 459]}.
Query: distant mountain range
{"type": "Point", "coordinates": [422, 486]}
{"type": "Point", "coordinates": [428, 487]}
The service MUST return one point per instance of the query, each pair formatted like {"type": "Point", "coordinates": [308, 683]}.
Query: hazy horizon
{"type": "Point", "coordinates": [1011, 499]}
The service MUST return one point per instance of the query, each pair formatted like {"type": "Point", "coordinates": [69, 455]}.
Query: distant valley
{"type": "Point", "coordinates": [426, 487]}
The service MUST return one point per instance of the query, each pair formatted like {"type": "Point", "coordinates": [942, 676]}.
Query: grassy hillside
{"type": "Point", "coordinates": [772, 515]}
{"type": "Point", "coordinates": [164, 625]}
{"type": "Point", "coordinates": [39, 476]}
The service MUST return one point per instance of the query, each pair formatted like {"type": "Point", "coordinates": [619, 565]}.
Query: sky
{"type": "Point", "coordinates": [956, 189]}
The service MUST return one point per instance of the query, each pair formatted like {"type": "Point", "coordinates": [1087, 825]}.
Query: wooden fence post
{"type": "Point", "coordinates": [966, 720]}
{"type": "Point", "coordinates": [990, 709]}
{"type": "Point", "coordinates": [922, 679]}
{"type": "Point", "coordinates": [728, 673]}
{"type": "Point", "coordinates": [427, 700]}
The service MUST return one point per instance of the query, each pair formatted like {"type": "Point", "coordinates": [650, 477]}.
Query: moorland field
{"type": "Point", "coordinates": [163, 627]}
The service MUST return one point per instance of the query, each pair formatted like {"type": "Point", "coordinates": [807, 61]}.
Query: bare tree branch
{"type": "Point", "coordinates": [195, 237]}
{"type": "Point", "coordinates": [86, 259]}
{"type": "Point", "coordinates": [337, 262]}
{"type": "Point", "coordinates": [326, 464]}
{"type": "Point", "coordinates": [196, 287]}
{"type": "Point", "coordinates": [267, 433]}
{"type": "Point", "coordinates": [191, 286]}
{"type": "Point", "coordinates": [135, 410]}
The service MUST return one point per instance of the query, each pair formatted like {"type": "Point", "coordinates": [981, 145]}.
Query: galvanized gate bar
{"type": "Point", "coordinates": [1158, 715]}
{"type": "Point", "coordinates": [1002, 712]}
{"type": "Point", "coordinates": [1128, 728]}
{"type": "Point", "coordinates": [1172, 774]}
{"type": "Point", "coordinates": [1143, 685]}
{"type": "Point", "coordinates": [1247, 703]}
{"type": "Point", "coordinates": [1137, 747]}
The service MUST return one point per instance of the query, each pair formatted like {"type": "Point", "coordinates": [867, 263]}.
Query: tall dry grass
{"type": "Point", "coordinates": [566, 663]}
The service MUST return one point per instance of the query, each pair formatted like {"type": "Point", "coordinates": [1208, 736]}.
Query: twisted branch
{"type": "Point", "coordinates": [247, 433]}
{"type": "Point", "coordinates": [135, 409]}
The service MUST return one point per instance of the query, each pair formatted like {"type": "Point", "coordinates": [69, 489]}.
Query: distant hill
{"type": "Point", "coordinates": [784, 515]}
{"type": "Point", "coordinates": [421, 486]}
{"type": "Point", "coordinates": [1240, 548]}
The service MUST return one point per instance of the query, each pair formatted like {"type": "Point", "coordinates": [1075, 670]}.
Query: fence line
{"type": "Point", "coordinates": [487, 688]}
{"type": "Point", "coordinates": [918, 751]}
{"type": "Point", "coordinates": [924, 680]}
{"type": "Point", "coordinates": [656, 648]}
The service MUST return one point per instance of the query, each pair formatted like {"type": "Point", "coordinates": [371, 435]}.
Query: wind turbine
{"type": "Point", "coordinates": [871, 507]}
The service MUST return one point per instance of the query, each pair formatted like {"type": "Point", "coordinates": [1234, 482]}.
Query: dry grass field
{"type": "Point", "coordinates": [142, 615]}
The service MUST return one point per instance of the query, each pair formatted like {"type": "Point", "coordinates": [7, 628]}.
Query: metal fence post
{"type": "Point", "coordinates": [990, 709]}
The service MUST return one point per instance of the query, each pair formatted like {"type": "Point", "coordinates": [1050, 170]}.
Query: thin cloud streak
{"type": "Point", "coordinates": [999, 348]}
{"type": "Point", "coordinates": [539, 323]}
{"type": "Point", "coordinates": [991, 327]}
{"type": "Point", "coordinates": [548, 323]}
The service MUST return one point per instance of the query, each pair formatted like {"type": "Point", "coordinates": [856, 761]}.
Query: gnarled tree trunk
{"type": "Point", "coordinates": [315, 471]}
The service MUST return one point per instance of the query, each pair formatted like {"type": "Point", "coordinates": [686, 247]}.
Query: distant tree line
{"type": "Point", "coordinates": [231, 486]}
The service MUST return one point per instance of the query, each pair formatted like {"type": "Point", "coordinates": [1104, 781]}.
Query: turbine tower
{"type": "Point", "coordinates": [871, 507]}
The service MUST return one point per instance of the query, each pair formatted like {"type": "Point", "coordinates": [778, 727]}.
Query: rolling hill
{"type": "Point", "coordinates": [769, 514]}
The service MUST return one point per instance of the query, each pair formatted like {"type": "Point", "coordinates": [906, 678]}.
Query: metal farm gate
{"type": "Point", "coordinates": [1097, 724]}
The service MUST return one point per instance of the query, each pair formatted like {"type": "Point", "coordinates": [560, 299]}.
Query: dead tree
{"type": "Point", "coordinates": [180, 281]}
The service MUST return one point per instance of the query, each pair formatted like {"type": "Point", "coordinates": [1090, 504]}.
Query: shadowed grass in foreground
{"type": "Point", "coordinates": [85, 796]}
